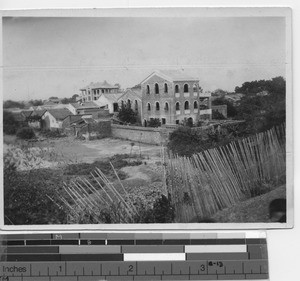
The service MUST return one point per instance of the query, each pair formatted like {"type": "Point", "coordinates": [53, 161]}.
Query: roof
{"type": "Point", "coordinates": [100, 85]}
{"type": "Point", "coordinates": [60, 114]}
{"type": "Point", "coordinates": [27, 113]}
{"type": "Point", "coordinates": [171, 75]}
{"type": "Point", "coordinates": [89, 104]}
{"type": "Point", "coordinates": [113, 97]}
{"type": "Point", "coordinates": [39, 113]}
{"type": "Point", "coordinates": [137, 93]}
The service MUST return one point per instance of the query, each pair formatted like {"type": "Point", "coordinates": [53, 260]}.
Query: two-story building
{"type": "Point", "coordinates": [93, 91]}
{"type": "Point", "coordinates": [173, 97]}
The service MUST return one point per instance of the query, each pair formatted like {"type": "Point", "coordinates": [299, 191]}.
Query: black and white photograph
{"type": "Point", "coordinates": [166, 116]}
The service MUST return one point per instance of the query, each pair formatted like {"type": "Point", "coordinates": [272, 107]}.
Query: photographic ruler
{"type": "Point", "coordinates": [90, 256]}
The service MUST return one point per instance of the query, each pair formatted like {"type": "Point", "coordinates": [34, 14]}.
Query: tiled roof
{"type": "Point", "coordinates": [113, 97]}
{"type": "Point", "coordinates": [171, 75]}
{"type": "Point", "coordinates": [101, 85]}
{"type": "Point", "coordinates": [177, 75]}
{"type": "Point", "coordinates": [39, 113]}
{"type": "Point", "coordinates": [133, 93]}
{"type": "Point", "coordinates": [89, 104]}
{"type": "Point", "coordinates": [60, 114]}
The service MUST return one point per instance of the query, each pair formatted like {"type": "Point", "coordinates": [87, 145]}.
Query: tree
{"type": "Point", "coordinates": [263, 112]}
{"type": "Point", "coordinates": [12, 104]}
{"type": "Point", "coordinates": [154, 122]}
{"type": "Point", "coordinates": [231, 109]}
{"type": "Point", "coordinates": [25, 133]}
{"type": "Point", "coordinates": [36, 102]}
{"type": "Point", "coordinates": [10, 125]}
{"type": "Point", "coordinates": [127, 115]}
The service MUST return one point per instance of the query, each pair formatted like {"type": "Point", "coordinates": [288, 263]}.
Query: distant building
{"type": "Point", "coordinates": [83, 107]}
{"type": "Point", "coordinates": [53, 118]}
{"type": "Point", "coordinates": [173, 97]}
{"type": "Point", "coordinates": [93, 91]}
{"type": "Point", "coordinates": [133, 98]}
{"type": "Point", "coordinates": [109, 101]}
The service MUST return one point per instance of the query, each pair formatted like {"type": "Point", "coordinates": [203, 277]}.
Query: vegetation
{"type": "Point", "coordinates": [216, 115]}
{"type": "Point", "coordinates": [10, 125]}
{"type": "Point", "coordinates": [218, 178]}
{"type": "Point", "coordinates": [127, 115]}
{"type": "Point", "coordinates": [30, 196]}
{"type": "Point", "coordinates": [154, 122]}
{"type": "Point", "coordinates": [25, 133]}
{"type": "Point", "coordinates": [231, 109]}
{"type": "Point", "coordinates": [13, 104]}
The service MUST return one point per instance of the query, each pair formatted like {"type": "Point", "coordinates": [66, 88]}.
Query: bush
{"type": "Point", "coordinates": [217, 115]}
{"type": "Point", "coordinates": [29, 196]}
{"type": "Point", "coordinates": [53, 134]}
{"type": "Point", "coordinates": [25, 133]}
{"type": "Point", "coordinates": [154, 122]}
{"type": "Point", "coordinates": [10, 125]}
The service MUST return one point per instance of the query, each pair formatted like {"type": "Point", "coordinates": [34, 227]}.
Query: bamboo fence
{"type": "Point", "coordinates": [218, 178]}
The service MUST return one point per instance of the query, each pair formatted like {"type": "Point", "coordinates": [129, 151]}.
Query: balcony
{"type": "Point", "coordinates": [186, 95]}
{"type": "Point", "coordinates": [177, 95]}
{"type": "Point", "coordinates": [195, 94]}
{"type": "Point", "coordinates": [187, 111]}
{"type": "Point", "coordinates": [196, 110]}
{"type": "Point", "coordinates": [177, 112]}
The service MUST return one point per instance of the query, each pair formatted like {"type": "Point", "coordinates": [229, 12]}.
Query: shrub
{"type": "Point", "coordinates": [10, 125]}
{"type": "Point", "coordinates": [29, 196]}
{"type": "Point", "coordinates": [154, 122]}
{"type": "Point", "coordinates": [25, 133]}
{"type": "Point", "coordinates": [217, 115]}
{"type": "Point", "coordinates": [53, 134]}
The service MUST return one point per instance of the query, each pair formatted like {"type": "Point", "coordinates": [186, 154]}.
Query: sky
{"type": "Point", "coordinates": [45, 57]}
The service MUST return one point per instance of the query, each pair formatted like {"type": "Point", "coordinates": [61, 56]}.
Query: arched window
{"type": "Point", "coordinates": [177, 106]}
{"type": "Point", "coordinates": [166, 87]}
{"type": "Point", "coordinates": [195, 88]}
{"type": "Point", "coordinates": [148, 90]}
{"type": "Point", "coordinates": [186, 105]}
{"type": "Point", "coordinates": [176, 89]}
{"type": "Point", "coordinates": [156, 88]}
{"type": "Point", "coordinates": [129, 103]}
{"type": "Point", "coordinates": [148, 106]}
{"type": "Point", "coordinates": [166, 106]}
{"type": "Point", "coordinates": [186, 88]}
{"type": "Point", "coordinates": [136, 107]}
{"type": "Point", "coordinates": [157, 105]}
{"type": "Point", "coordinates": [195, 104]}
{"type": "Point", "coordinates": [122, 103]}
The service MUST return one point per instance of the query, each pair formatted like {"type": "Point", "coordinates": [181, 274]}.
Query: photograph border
{"type": "Point", "coordinates": [175, 12]}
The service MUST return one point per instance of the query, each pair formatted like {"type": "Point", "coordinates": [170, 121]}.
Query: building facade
{"type": "Point", "coordinates": [94, 90]}
{"type": "Point", "coordinates": [173, 98]}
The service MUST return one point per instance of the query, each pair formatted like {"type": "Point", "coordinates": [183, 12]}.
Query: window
{"type": "Point", "coordinates": [186, 105]}
{"type": "Point", "coordinates": [148, 90]}
{"type": "Point", "coordinates": [195, 88]}
{"type": "Point", "coordinates": [163, 121]}
{"type": "Point", "coordinates": [102, 91]}
{"type": "Point", "coordinates": [166, 87]}
{"type": "Point", "coordinates": [176, 89]}
{"type": "Point", "coordinates": [157, 105]}
{"type": "Point", "coordinates": [177, 106]}
{"type": "Point", "coordinates": [177, 122]}
{"type": "Point", "coordinates": [95, 98]}
{"type": "Point", "coordinates": [148, 107]}
{"type": "Point", "coordinates": [156, 88]}
{"type": "Point", "coordinates": [195, 105]}
{"type": "Point", "coordinates": [166, 106]}
{"type": "Point", "coordinates": [136, 105]}
{"type": "Point", "coordinates": [186, 88]}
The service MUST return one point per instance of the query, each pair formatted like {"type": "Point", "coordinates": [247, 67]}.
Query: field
{"type": "Point", "coordinates": [117, 181]}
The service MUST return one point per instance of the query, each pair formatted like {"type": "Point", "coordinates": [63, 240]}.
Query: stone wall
{"type": "Point", "coordinates": [141, 134]}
